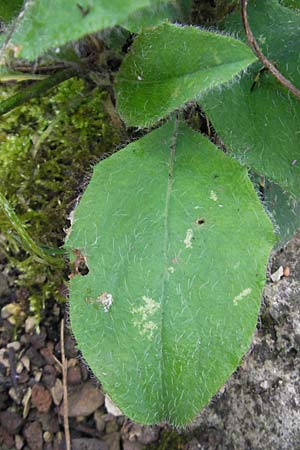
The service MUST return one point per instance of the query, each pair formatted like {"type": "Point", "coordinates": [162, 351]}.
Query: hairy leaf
{"type": "Point", "coordinates": [43, 27]}
{"type": "Point", "coordinates": [176, 242]}
{"type": "Point", "coordinates": [170, 65]}
{"type": "Point", "coordinates": [258, 119]}
{"type": "Point", "coordinates": [151, 16]}
{"type": "Point", "coordinates": [282, 206]}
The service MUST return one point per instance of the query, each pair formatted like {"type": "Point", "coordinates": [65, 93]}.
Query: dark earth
{"type": "Point", "coordinates": [258, 408]}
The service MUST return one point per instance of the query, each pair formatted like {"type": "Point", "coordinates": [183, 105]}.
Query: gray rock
{"type": "Point", "coordinates": [34, 436]}
{"type": "Point", "coordinates": [259, 407]}
{"type": "Point", "coordinates": [84, 400]}
{"type": "Point", "coordinates": [89, 444]}
{"type": "Point", "coordinates": [4, 287]}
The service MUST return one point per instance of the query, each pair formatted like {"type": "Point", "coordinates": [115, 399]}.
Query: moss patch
{"type": "Point", "coordinates": [47, 149]}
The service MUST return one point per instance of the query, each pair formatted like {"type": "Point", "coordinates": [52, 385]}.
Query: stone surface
{"type": "Point", "coordinates": [6, 438]}
{"type": "Point", "coordinates": [49, 422]}
{"type": "Point", "coordinates": [128, 445]}
{"type": "Point", "coordinates": [259, 408]}
{"type": "Point", "coordinates": [41, 398]}
{"type": "Point", "coordinates": [34, 436]}
{"type": "Point", "coordinates": [113, 441]}
{"type": "Point", "coordinates": [4, 287]}
{"type": "Point", "coordinates": [74, 375]}
{"type": "Point", "coordinates": [57, 392]}
{"type": "Point", "coordinates": [89, 444]}
{"type": "Point", "coordinates": [84, 400]}
{"type": "Point", "coordinates": [11, 421]}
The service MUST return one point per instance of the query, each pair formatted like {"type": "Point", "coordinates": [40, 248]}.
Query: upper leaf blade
{"type": "Point", "coordinates": [170, 65]}
{"type": "Point", "coordinates": [151, 16]}
{"type": "Point", "coordinates": [176, 242]}
{"type": "Point", "coordinates": [42, 27]}
{"type": "Point", "coordinates": [263, 127]}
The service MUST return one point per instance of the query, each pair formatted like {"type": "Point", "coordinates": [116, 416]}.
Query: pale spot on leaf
{"type": "Point", "coordinates": [106, 300]}
{"type": "Point", "coordinates": [142, 314]}
{"type": "Point", "coordinates": [241, 295]}
{"type": "Point", "coordinates": [188, 238]}
{"type": "Point", "coordinates": [213, 196]}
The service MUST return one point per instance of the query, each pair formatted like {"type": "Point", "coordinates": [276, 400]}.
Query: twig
{"type": "Point", "coordinates": [57, 362]}
{"type": "Point", "coordinates": [64, 375]}
{"type": "Point", "coordinates": [35, 90]}
{"type": "Point", "coordinates": [256, 49]}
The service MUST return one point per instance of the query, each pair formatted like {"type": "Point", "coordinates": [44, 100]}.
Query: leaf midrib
{"type": "Point", "coordinates": [186, 74]}
{"type": "Point", "coordinates": [165, 252]}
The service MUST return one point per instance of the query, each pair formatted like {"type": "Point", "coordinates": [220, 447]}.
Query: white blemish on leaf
{"type": "Point", "coordinates": [171, 269]}
{"type": "Point", "coordinates": [139, 78]}
{"type": "Point", "coordinates": [188, 238]}
{"type": "Point", "coordinates": [106, 300]}
{"type": "Point", "coordinates": [242, 295]}
{"type": "Point", "coordinates": [142, 314]}
{"type": "Point", "coordinates": [213, 196]}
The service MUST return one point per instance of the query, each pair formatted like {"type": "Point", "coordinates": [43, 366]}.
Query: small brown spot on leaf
{"type": "Point", "coordinates": [200, 221]}
{"type": "Point", "coordinates": [79, 266]}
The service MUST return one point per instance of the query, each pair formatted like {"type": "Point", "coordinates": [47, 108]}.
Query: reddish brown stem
{"type": "Point", "coordinates": [256, 49]}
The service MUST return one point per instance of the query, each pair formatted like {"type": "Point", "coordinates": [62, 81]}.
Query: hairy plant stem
{"type": "Point", "coordinates": [42, 255]}
{"type": "Point", "coordinates": [256, 49]}
{"type": "Point", "coordinates": [35, 90]}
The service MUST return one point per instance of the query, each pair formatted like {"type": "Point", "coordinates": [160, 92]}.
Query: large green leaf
{"type": "Point", "coordinates": [176, 242]}
{"type": "Point", "coordinates": [260, 124]}
{"type": "Point", "coordinates": [170, 65]}
{"type": "Point", "coordinates": [43, 27]}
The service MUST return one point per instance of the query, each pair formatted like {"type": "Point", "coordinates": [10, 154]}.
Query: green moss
{"type": "Point", "coordinates": [170, 440]}
{"type": "Point", "coordinates": [47, 149]}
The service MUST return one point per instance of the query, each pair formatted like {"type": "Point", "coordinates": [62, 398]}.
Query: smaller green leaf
{"type": "Point", "coordinates": [283, 207]}
{"type": "Point", "coordinates": [170, 65]}
{"type": "Point", "coordinates": [263, 127]}
{"type": "Point", "coordinates": [151, 16]}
